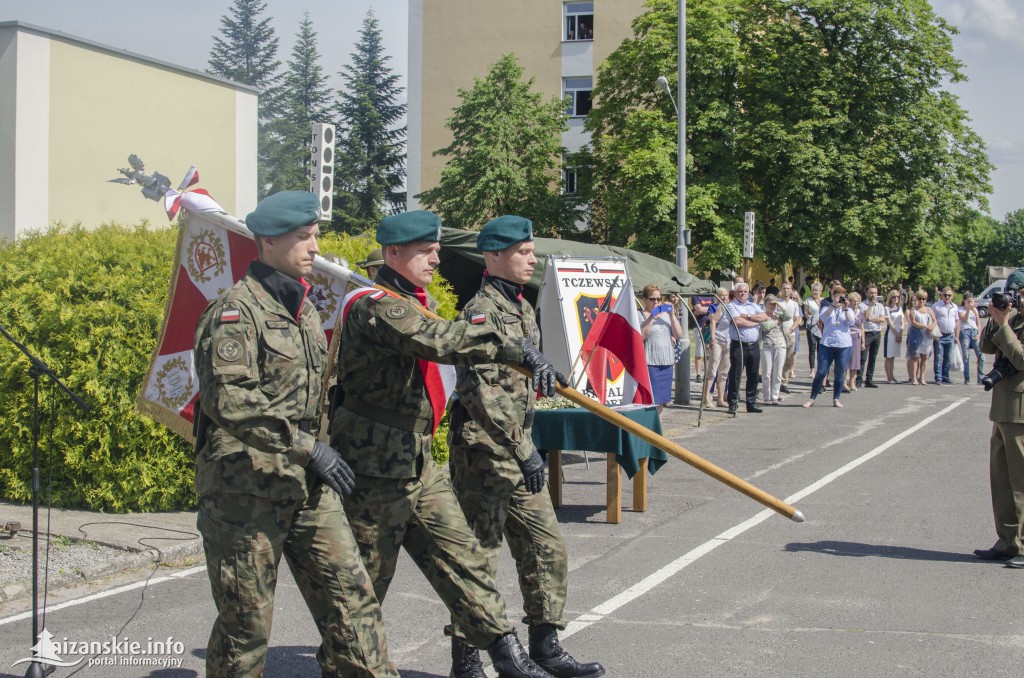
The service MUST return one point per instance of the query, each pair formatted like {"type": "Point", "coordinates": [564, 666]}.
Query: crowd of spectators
{"type": "Point", "coordinates": [759, 332]}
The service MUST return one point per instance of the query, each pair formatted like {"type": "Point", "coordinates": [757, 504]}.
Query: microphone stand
{"type": "Point", "coordinates": [37, 369]}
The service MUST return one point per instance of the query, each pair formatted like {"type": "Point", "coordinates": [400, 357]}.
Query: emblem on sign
{"type": "Point", "coordinates": [174, 383]}
{"type": "Point", "coordinates": [320, 295]}
{"type": "Point", "coordinates": [206, 257]}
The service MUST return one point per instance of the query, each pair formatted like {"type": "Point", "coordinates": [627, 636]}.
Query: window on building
{"type": "Point", "coordinates": [579, 21]}
{"type": "Point", "coordinates": [577, 94]}
{"type": "Point", "coordinates": [569, 181]}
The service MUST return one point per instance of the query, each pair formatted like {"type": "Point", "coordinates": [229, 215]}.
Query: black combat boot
{"type": "Point", "coordinates": [549, 655]}
{"type": "Point", "coordinates": [465, 661]}
{"type": "Point", "coordinates": [511, 661]}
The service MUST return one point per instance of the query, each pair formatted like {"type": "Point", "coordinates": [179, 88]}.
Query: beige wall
{"type": "Point", "coordinates": [71, 112]}
{"type": "Point", "coordinates": [102, 109]}
{"type": "Point", "coordinates": [461, 38]}
{"type": "Point", "coordinates": [8, 78]}
{"type": "Point", "coordinates": [613, 23]}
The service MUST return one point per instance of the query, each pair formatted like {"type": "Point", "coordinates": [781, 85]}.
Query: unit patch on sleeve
{"type": "Point", "coordinates": [230, 349]}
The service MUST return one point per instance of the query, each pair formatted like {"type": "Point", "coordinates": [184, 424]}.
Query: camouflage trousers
{"type": "Point", "coordinates": [244, 537]}
{"type": "Point", "coordinates": [423, 516]}
{"type": "Point", "coordinates": [496, 503]}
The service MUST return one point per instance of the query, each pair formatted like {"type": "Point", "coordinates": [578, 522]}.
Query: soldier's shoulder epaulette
{"type": "Point", "coordinates": [393, 308]}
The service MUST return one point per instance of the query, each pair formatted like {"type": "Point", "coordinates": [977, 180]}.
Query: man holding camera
{"type": "Point", "coordinates": [1003, 335]}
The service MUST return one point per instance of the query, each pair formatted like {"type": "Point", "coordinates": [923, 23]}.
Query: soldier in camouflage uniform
{"type": "Point", "coordinates": [383, 424]}
{"type": "Point", "coordinates": [266, 486]}
{"type": "Point", "coordinates": [496, 470]}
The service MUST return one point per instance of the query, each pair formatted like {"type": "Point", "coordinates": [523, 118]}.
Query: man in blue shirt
{"type": "Point", "coordinates": [743, 350]}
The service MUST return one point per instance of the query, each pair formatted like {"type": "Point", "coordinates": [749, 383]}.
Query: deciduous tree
{"type": "Point", "coordinates": [505, 156]}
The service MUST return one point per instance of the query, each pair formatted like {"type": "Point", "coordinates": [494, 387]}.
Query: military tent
{"type": "Point", "coordinates": [462, 265]}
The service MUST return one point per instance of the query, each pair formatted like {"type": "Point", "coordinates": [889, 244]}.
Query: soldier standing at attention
{"type": "Point", "coordinates": [496, 470]}
{"type": "Point", "coordinates": [384, 422]}
{"type": "Point", "coordinates": [266, 486]}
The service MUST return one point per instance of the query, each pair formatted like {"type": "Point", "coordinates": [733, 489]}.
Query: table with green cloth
{"type": "Point", "coordinates": [579, 429]}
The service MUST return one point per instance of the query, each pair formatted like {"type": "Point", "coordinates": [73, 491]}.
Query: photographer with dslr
{"type": "Point", "coordinates": [1003, 336]}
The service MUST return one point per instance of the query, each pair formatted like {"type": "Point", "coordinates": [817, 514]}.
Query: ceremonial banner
{"type": "Point", "coordinates": [570, 298]}
{"type": "Point", "coordinates": [214, 251]}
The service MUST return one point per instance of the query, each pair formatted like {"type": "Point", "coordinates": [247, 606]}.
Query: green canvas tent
{"type": "Point", "coordinates": [463, 266]}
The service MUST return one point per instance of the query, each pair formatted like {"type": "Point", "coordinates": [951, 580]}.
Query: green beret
{"type": "Point", "coordinates": [283, 212]}
{"type": "Point", "coordinates": [504, 232]}
{"type": "Point", "coordinates": [374, 258]}
{"type": "Point", "coordinates": [417, 226]}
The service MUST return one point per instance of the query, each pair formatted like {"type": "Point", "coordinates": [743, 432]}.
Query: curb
{"type": "Point", "coordinates": [129, 561]}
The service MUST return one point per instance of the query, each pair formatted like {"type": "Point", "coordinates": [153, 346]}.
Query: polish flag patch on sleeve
{"type": "Point", "coordinates": [229, 315]}
{"type": "Point", "coordinates": [477, 318]}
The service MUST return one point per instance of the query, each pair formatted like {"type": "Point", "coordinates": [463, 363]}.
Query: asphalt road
{"type": "Point", "coordinates": [879, 580]}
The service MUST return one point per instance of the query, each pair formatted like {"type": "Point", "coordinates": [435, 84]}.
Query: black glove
{"type": "Point", "coordinates": [543, 371]}
{"type": "Point", "coordinates": [327, 465]}
{"type": "Point", "coordinates": [533, 472]}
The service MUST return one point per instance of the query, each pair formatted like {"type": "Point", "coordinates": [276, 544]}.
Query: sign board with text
{"type": "Point", "coordinates": [570, 296]}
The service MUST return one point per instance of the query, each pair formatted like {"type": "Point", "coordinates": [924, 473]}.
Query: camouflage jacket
{"type": "Point", "coordinates": [260, 374]}
{"type": "Point", "coordinates": [497, 397]}
{"type": "Point", "coordinates": [382, 426]}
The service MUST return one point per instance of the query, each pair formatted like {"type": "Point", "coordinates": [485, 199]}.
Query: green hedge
{"type": "Point", "coordinates": [90, 304]}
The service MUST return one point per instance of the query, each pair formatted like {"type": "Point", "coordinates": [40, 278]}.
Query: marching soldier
{"type": "Point", "coordinates": [266, 486]}
{"type": "Point", "coordinates": [496, 470]}
{"type": "Point", "coordinates": [383, 424]}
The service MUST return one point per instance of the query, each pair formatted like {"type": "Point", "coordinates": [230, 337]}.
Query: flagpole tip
{"type": "Point", "coordinates": [797, 517]}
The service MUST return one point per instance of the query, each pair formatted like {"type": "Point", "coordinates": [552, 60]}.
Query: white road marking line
{"type": "Point", "coordinates": [104, 594]}
{"type": "Point", "coordinates": [656, 578]}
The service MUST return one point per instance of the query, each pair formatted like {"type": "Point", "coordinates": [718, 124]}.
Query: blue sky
{"type": "Point", "coordinates": [990, 45]}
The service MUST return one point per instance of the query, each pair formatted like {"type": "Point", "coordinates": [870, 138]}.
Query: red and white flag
{"type": "Point", "coordinates": [615, 336]}
{"type": "Point", "coordinates": [214, 251]}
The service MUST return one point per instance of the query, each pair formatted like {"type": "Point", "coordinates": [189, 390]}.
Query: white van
{"type": "Point", "coordinates": [985, 298]}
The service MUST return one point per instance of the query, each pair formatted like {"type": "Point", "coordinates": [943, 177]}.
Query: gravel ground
{"type": "Point", "coordinates": [70, 561]}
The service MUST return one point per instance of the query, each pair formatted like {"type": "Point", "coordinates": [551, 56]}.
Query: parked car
{"type": "Point", "coordinates": [985, 298]}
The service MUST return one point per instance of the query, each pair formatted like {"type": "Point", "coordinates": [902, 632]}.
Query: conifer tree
{"type": "Point", "coordinates": [305, 99]}
{"type": "Point", "coordinates": [370, 158]}
{"type": "Point", "coordinates": [247, 53]}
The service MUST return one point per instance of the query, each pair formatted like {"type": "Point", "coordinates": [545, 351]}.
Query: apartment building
{"type": "Point", "coordinates": [451, 42]}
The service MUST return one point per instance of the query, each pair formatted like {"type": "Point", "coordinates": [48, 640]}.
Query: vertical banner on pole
{"type": "Point", "coordinates": [748, 235]}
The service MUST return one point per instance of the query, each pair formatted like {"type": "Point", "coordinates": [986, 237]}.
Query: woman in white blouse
{"type": "Point", "coordinates": [970, 330]}
{"type": "Point", "coordinates": [834, 348]}
{"type": "Point", "coordinates": [893, 342]}
{"type": "Point", "coordinates": [919, 340]}
{"type": "Point", "coordinates": [812, 306]}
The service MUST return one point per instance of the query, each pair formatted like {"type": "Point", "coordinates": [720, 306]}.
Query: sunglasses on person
{"type": "Point", "coordinates": [654, 298]}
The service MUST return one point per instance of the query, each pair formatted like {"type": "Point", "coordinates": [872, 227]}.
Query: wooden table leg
{"type": "Point", "coordinates": [555, 477]}
{"type": "Point", "coordinates": [614, 490]}
{"type": "Point", "coordinates": [640, 487]}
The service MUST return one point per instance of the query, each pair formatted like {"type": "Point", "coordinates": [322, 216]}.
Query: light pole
{"type": "Point", "coordinates": [682, 396]}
